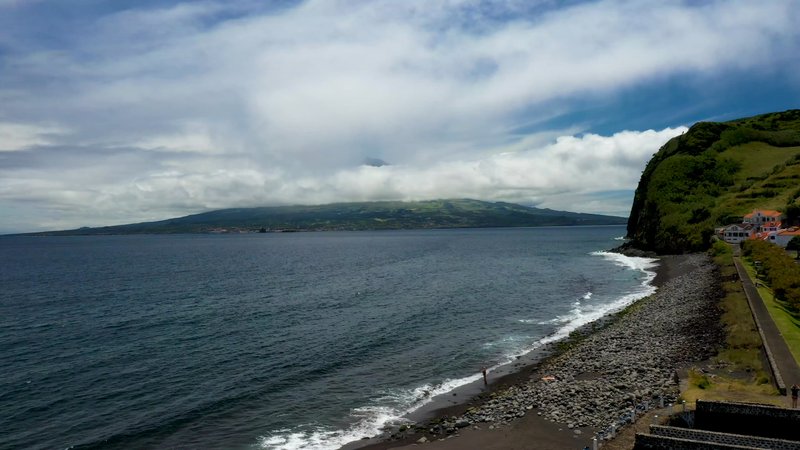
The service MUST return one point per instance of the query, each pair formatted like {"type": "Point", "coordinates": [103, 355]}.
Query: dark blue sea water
{"type": "Point", "coordinates": [278, 341]}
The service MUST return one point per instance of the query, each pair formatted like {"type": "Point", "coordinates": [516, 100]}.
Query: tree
{"type": "Point", "coordinates": [792, 215]}
{"type": "Point", "coordinates": [794, 244]}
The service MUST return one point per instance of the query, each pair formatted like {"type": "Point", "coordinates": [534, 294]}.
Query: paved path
{"type": "Point", "coordinates": [785, 368]}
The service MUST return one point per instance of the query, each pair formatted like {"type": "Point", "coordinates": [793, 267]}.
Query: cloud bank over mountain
{"type": "Point", "coordinates": [131, 111]}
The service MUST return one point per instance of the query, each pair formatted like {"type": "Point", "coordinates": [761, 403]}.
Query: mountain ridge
{"type": "Point", "coordinates": [354, 216]}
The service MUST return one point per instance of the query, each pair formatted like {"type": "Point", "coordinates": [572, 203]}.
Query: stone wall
{"type": "Point", "coordinates": [650, 442]}
{"type": "Point", "coordinates": [749, 419]}
{"type": "Point", "coordinates": [723, 438]}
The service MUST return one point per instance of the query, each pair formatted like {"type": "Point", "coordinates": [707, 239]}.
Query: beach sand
{"type": "Point", "coordinates": [675, 326]}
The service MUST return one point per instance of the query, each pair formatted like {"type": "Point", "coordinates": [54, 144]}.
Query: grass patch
{"type": "Point", "coordinates": [760, 158]}
{"type": "Point", "coordinates": [742, 350]}
{"type": "Point", "coordinates": [741, 374]}
{"type": "Point", "coordinates": [699, 380]}
{"type": "Point", "coordinates": [787, 324]}
{"type": "Point", "coordinates": [769, 188]}
{"type": "Point", "coordinates": [716, 387]}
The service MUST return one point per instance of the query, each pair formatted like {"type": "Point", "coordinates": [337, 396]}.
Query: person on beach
{"type": "Point", "coordinates": [795, 390]}
{"type": "Point", "coordinates": [485, 381]}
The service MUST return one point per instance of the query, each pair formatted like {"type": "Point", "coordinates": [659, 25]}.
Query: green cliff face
{"type": "Point", "coordinates": [714, 174]}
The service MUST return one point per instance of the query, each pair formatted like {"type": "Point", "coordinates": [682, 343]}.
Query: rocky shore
{"type": "Point", "coordinates": [608, 376]}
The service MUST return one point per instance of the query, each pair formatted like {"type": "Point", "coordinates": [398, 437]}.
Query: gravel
{"type": "Point", "coordinates": [629, 365]}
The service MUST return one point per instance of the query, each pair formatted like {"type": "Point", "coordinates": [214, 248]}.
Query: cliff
{"type": "Point", "coordinates": [711, 176]}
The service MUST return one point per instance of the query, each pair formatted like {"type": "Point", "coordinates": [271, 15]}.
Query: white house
{"type": "Point", "coordinates": [782, 237]}
{"type": "Point", "coordinates": [733, 234]}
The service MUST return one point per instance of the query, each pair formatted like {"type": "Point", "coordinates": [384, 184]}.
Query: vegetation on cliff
{"type": "Point", "coordinates": [714, 174]}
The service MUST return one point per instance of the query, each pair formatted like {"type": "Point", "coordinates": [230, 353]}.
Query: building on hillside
{"type": "Point", "coordinates": [761, 224]}
{"type": "Point", "coordinates": [768, 227]}
{"type": "Point", "coordinates": [761, 217]}
{"type": "Point", "coordinates": [765, 230]}
{"type": "Point", "coordinates": [782, 237]}
{"type": "Point", "coordinates": [733, 234]}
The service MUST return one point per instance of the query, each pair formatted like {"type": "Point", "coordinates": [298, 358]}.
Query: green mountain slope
{"type": "Point", "coordinates": [714, 174]}
{"type": "Point", "coordinates": [360, 216]}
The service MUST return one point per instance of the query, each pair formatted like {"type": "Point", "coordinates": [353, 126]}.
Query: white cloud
{"type": "Point", "coordinates": [562, 174]}
{"type": "Point", "coordinates": [192, 137]}
{"type": "Point", "coordinates": [281, 106]}
{"type": "Point", "coordinates": [18, 136]}
{"type": "Point", "coordinates": [327, 79]}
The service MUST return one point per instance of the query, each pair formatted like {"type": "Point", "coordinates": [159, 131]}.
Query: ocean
{"type": "Point", "coordinates": [283, 340]}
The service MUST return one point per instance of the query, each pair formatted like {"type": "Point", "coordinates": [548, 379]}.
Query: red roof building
{"type": "Point", "coordinates": [761, 216]}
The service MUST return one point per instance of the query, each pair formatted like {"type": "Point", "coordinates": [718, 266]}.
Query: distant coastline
{"type": "Point", "coordinates": [431, 214]}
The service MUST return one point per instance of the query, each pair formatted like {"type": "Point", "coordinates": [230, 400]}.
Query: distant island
{"type": "Point", "coordinates": [383, 215]}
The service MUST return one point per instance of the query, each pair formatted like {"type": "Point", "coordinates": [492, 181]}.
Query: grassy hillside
{"type": "Point", "coordinates": [714, 174]}
{"type": "Point", "coordinates": [360, 216]}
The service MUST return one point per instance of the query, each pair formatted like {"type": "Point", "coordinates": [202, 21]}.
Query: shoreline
{"type": "Point", "coordinates": [598, 375]}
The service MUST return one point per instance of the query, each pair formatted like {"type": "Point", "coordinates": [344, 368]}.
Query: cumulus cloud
{"type": "Point", "coordinates": [563, 174]}
{"type": "Point", "coordinates": [179, 107]}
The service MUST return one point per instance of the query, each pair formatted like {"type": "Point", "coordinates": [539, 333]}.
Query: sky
{"type": "Point", "coordinates": [121, 111]}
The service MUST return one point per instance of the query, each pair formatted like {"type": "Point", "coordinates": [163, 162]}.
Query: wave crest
{"type": "Point", "coordinates": [371, 420]}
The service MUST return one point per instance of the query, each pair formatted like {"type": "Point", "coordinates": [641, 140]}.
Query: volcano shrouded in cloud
{"type": "Point", "coordinates": [117, 112]}
{"type": "Point", "coordinates": [374, 162]}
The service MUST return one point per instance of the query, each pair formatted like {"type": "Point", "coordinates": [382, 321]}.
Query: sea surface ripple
{"type": "Point", "coordinates": [278, 341]}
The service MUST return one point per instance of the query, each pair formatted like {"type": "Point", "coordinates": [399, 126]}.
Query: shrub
{"type": "Point", "coordinates": [779, 270]}
{"type": "Point", "coordinates": [720, 248]}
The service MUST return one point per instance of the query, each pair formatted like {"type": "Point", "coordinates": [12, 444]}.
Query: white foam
{"type": "Point", "coordinates": [371, 420]}
{"type": "Point", "coordinates": [631, 262]}
{"type": "Point", "coordinates": [320, 438]}
{"type": "Point", "coordinates": [581, 314]}
{"type": "Point", "coordinates": [554, 321]}
{"type": "Point", "coordinates": [590, 315]}
{"type": "Point", "coordinates": [574, 312]}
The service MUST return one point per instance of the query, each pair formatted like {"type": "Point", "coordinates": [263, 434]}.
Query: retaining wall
{"type": "Point", "coordinates": [723, 438]}
{"type": "Point", "coordinates": [749, 419]}
{"type": "Point", "coordinates": [650, 442]}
